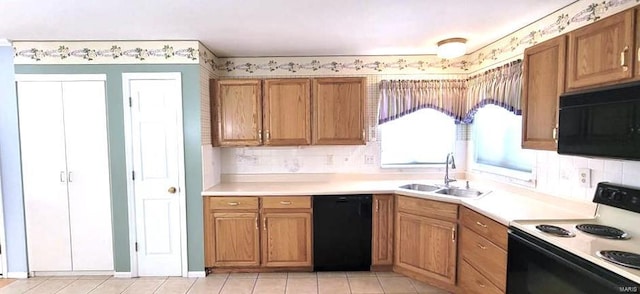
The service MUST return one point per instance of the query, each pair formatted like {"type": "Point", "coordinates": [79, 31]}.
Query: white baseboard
{"type": "Point", "coordinates": [200, 274]}
{"type": "Point", "coordinates": [70, 273]}
{"type": "Point", "coordinates": [122, 275]}
{"type": "Point", "coordinates": [17, 275]}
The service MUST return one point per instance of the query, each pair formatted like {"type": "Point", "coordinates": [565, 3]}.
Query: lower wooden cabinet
{"type": "Point", "coordinates": [483, 255]}
{"type": "Point", "coordinates": [286, 239]}
{"type": "Point", "coordinates": [238, 234]}
{"type": "Point", "coordinates": [382, 237]}
{"type": "Point", "coordinates": [472, 282]}
{"type": "Point", "coordinates": [236, 238]}
{"type": "Point", "coordinates": [425, 247]}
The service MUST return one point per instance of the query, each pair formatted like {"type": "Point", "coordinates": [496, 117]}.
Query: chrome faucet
{"type": "Point", "coordinates": [452, 161]}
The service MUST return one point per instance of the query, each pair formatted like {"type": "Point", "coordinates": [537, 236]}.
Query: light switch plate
{"type": "Point", "coordinates": [584, 177]}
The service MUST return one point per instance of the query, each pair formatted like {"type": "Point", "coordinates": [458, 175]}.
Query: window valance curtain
{"type": "Point", "coordinates": [399, 98]}
{"type": "Point", "coordinates": [459, 99]}
{"type": "Point", "coordinates": [501, 86]}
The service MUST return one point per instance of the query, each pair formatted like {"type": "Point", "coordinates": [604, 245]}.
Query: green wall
{"type": "Point", "coordinates": [115, 116]}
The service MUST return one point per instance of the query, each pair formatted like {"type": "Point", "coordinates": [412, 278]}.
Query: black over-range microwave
{"type": "Point", "coordinates": [602, 123]}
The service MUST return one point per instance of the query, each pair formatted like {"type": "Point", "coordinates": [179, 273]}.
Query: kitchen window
{"type": "Point", "coordinates": [497, 136]}
{"type": "Point", "coordinates": [417, 139]}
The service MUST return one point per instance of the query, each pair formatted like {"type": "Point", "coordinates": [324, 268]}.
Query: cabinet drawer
{"type": "Point", "coordinates": [484, 226]}
{"type": "Point", "coordinates": [233, 203]}
{"type": "Point", "coordinates": [489, 259]}
{"type": "Point", "coordinates": [286, 202]}
{"type": "Point", "coordinates": [472, 282]}
{"type": "Point", "coordinates": [429, 208]}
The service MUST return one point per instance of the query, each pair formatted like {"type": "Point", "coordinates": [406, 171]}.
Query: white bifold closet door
{"type": "Point", "coordinates": [63, 137]}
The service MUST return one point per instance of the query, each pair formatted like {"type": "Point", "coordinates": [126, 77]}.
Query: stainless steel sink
{"type": "Point", "coordinates": [459, 192]}
{"type": "Point", "coordinates": [421, 187]}
{"type": "Point", "coordinates": [444, 190]}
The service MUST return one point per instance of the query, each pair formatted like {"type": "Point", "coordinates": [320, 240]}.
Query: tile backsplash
{"type": "Point", "coordinates": [314, 159]}
{"type": "Point", "coordinates": [558, 174]}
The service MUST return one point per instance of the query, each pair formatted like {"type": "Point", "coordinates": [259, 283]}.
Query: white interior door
{"type": "Point", "coordinates": [155, 133]}
{"type": "Point", "coordinates": [88, 175]}
{"type": "Point", "coordinates": [44, 175]}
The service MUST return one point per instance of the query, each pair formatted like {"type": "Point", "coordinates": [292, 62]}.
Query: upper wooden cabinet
{"type": "Point", "coordinates": [542, 85]}
{"type": "Point", "coordinates": [602, 52]}
{"type": "Point", "coordinates": [279, 112]}
{"type": "Point", "coordinates": [339, 111]}
{"type": "Point", "coordinates": [382, 237]}
{"type": "Point", "coordinates": [238, 112]}
{"type": "Point", "coordinates": [287, 112]}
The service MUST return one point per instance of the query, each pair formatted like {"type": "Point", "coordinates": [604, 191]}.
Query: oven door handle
{"type": "Point", "coordinates": [614, 285]}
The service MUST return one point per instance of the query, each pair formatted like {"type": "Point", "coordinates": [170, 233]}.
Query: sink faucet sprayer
{"type": "Point", "coordinates": [452, 161]}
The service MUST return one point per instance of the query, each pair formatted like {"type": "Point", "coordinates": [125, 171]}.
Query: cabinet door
{"type": "Point", "coordinates": [286, 239]}
{"type": "Point", "coordinates": [382, 242]}
{"type": "Point", "coordinates": [338, 111]}
{"type": "Point", "coordinates": [601, 52]}
{"type": "Point", "coordinates": [236, 239]}
{"type": "Point", "coordinates": [426, 247]}
{"type": "Point", "coordinates": [88, 175]}
{"type": "Point", "coordinates": [287, 112]}
{"type": "Point", "coordinates": [44, 176]}
{"type": "Point", "coordinates": [239, 112]}
{"type": "Point", "coordinates": [543, 83]}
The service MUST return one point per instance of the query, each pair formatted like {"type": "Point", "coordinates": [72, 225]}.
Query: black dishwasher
{"type": "Point", "coordinates": [342, 232]}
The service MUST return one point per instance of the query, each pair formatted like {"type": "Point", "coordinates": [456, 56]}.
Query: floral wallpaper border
{"type": "Point", "coordinates": [106, 52]}
{"type": "Point", "coordinates": [578, 14]}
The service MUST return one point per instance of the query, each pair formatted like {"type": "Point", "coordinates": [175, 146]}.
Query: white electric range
{"type": "Point", "coordinates": [604, 250]}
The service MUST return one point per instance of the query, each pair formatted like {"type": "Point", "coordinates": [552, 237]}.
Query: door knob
{"type": "Point", "coordinates": [172, 190]}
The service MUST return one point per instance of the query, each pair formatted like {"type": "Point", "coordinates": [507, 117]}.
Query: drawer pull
{"type": "Point", "coordinates": [481, 246]}
{"type": "Point", "coordinates": [233, 203]}
{"type": "Point", "coordinates": [481, 224]}
{"type": "Point", "coordinates": [285, 202]}
{"type": "Point", "coordinates": [482, 285]}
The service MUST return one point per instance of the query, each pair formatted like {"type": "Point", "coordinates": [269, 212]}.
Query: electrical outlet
{"type": "Point", "coordinates": [368, 159]}
{"type": "Point", "coordinates": [584, 177]}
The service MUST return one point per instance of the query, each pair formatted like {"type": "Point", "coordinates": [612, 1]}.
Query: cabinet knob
{"type": "Point", "coordinates": [172, 190]}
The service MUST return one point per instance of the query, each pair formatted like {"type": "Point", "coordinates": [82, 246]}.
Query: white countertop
{"type": "Point", "coordinates": [503, 204]}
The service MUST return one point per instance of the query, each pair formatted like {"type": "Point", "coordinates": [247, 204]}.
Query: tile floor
{"type": "Point", "coordinates": [264, 283]}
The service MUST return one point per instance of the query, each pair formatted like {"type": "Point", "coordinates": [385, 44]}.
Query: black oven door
{"type": "Point", "coordinates": [537, 267]}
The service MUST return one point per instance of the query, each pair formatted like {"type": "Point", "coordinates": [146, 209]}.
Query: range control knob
{"type": "Point", "coordinates": [599, 192]}
{"type": "Point", "coordinates": [616, 196]}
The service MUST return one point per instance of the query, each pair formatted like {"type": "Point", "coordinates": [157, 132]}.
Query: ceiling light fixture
{"type": "Point", "coordinates": [452, 48]}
